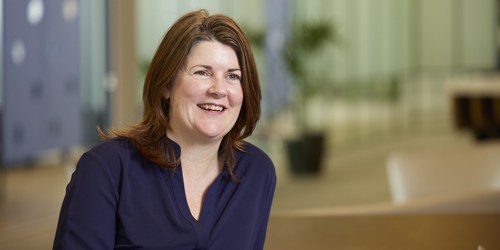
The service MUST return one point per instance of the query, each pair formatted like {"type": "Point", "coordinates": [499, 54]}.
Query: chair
{"type": "Point", "coordinates": [444, 172]}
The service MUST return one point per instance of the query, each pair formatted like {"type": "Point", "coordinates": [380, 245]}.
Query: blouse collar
{"type": "Point", "coordinates": [176, 147]}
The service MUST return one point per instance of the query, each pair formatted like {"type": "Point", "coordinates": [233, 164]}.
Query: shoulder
{"type": "Point", "coordinates": [112, 145]}
{"type": "Point", "coordinates": [254, 152]}
{"type": "Point", "coordinates": [113, 155]}
{"type": "Point", "coordinates": [112, 150]}
{"type": "Point", "coordinates": [253, 159]}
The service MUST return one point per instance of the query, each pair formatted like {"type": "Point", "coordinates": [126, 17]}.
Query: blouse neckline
{"type": "Point", "coordinates": [202, 226]}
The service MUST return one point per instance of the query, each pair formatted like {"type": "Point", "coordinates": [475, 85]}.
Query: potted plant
{"type": "Point", "coordinates": [306, 40]}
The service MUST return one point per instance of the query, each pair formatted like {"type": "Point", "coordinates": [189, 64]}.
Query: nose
{"type": "Point", "coordinates": [218, 87]}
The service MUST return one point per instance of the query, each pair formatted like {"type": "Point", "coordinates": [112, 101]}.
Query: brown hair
{"type": "Point", "coordinates": [150, 135]}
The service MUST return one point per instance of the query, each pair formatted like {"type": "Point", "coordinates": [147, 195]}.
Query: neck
{"type": "Point", "coordinates": [202, 157]}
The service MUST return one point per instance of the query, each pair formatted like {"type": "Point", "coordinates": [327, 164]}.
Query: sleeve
{"type": "Point", "coordinates": [261, 234]}
{"type": "Point", "coordinates": [87, 219]}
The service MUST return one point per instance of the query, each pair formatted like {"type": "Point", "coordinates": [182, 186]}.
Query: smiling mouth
{"type": "Point", "coordinates": [211, 107]}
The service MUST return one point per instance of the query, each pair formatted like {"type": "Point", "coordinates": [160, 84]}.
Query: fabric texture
{"type": "Point", "coordinates": [117, 199]}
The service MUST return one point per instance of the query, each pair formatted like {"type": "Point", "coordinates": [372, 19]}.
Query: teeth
{"type": "Point", "coordinates": [211, 107]}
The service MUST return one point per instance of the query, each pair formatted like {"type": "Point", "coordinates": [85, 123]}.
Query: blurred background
{"type": "Point", "coordinates": [382, 117]}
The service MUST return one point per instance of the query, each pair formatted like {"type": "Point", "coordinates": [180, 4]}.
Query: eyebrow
{"type": "Point", "coordinates": [210, 67]}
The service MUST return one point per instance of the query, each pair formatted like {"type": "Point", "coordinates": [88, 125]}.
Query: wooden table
{"type": "Point", "coordinates": [440, 231]}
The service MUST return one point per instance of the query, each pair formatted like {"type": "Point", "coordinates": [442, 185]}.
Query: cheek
{"type": "Point", "coordinates": [236, 97]}
{"type": "Point", "coordinates": [195, 90]}
{"type": "Point", "coordinates": [187, 96]}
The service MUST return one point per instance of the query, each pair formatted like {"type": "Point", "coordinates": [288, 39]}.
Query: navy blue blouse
{"type": "Point", "coordinates": [117, 199]}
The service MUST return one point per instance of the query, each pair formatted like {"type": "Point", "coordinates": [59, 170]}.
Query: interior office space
{"type": "Point", "coordinates": [403, 92]}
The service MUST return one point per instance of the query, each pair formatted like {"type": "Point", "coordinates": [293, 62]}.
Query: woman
{"type": "Point", "coordinates": [182, 178]}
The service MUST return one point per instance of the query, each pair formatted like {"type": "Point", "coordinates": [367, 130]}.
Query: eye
{"type": "Point", "coordinates": [201, 73]}
{"type": "Point", "coordinates": [233, 76]}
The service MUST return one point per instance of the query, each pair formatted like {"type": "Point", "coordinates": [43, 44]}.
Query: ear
{"type": "Point", "coordinates": [166, 93]}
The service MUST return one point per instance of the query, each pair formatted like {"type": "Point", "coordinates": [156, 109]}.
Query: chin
{"type": "Point", "coordinates": [214, 131]}
{"type": "Point", "coordinates": [213, 134]}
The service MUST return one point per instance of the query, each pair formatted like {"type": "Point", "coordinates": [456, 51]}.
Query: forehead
{"type": "Point", "coordinates": [212, 52]}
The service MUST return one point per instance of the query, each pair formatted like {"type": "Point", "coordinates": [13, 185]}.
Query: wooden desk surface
{"type": "Point", "coordinates": [465, 231]}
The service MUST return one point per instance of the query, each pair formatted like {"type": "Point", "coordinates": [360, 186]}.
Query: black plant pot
{"type": "Point", "coordinates": [305, 153]}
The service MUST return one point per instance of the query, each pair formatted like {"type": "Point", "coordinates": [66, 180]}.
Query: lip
{"type": "Point", "coordinates": [224, 108]}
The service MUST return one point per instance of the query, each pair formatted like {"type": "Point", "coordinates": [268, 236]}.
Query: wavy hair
{"type": "Point", "coordinates": [150, 135]}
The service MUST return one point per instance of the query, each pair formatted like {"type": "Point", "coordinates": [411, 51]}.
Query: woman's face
{"type": "Point", "coordinates": [206, 96]}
